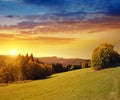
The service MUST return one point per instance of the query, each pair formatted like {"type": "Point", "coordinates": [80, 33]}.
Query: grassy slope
{"type": "Point", "coordinates": [82, 84]}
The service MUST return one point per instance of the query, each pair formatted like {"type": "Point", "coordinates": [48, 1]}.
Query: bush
{"type": "Point", "coordinates": [57, 68]}
{"type": "Point", "coordinates": [84, 64]}
{"type": "Point", "coordinates": [67, 67]}
{"type": "Point", "coordinates": [104, 56]}
{"type": "Point", "coordinates": [73, 67]}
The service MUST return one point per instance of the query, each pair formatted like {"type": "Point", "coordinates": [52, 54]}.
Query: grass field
{"type": "Point", "coordinates": [83, 84]}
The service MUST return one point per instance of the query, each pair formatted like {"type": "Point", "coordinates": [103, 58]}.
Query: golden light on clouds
{"type": "Point", "coordinates": [69, 40]}
{"type": "Point", "coordinates": [72, 31]}
{"type": "Point", "coordinates": [80, 47]}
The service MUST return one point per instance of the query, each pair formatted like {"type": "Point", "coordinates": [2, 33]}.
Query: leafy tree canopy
{"type": "Point", "coordinates": [104, 56]}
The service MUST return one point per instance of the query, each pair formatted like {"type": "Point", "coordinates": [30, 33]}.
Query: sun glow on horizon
{"type": "Point", "coordinates": [13, 52]}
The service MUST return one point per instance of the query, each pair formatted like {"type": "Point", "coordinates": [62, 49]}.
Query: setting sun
{"type": "Point", "coordinates": [13, 52]}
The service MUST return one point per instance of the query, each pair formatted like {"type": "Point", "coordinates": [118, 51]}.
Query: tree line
{"type": "Point", "coordinates": [27, 67]}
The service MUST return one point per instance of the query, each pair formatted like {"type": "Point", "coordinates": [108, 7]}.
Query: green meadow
{"type": "Point", "coordinates": [83, 84]}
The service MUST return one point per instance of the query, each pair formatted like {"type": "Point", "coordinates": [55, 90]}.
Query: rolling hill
{"type": "Point", "coordinates": [83, 84]}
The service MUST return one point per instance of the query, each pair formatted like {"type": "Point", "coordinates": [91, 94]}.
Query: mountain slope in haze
{"type": "Point", "coordinates": [51, 60]}
{"type": "Point", "coordinates": [73, 61]}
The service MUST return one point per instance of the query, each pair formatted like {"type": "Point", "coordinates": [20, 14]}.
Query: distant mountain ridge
{"type": "Point", "coordinates": [65, 61]}
{"type": "Point", "coordinates": [54, 59]}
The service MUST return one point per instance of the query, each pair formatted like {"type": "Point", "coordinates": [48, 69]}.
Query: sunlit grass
{"type": "Point", "coordinates": [83, 84]}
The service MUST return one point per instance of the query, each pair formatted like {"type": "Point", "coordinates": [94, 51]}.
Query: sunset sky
{"type": "Point", "coordinates": [63, 28]}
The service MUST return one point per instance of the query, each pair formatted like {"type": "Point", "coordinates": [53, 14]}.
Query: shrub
{"type": "Point", "coordinates": [57, 68]}
{"type": "Point", "coordinates": [73, 67]}
{"type": "Point", "coordinates": [84, 64]}
{"type": "Point", "coordinates": [67, 67]}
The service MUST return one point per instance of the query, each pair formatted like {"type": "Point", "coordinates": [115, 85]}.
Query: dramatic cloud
{"type": "Point", "coordinates": [57, 24]}
{"type": "Point", "coordinates": [58, 27]}
{"type": "Point", "coordinates": [111, 7]}
{"type": "Point", "coordinates": [59, 6]}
